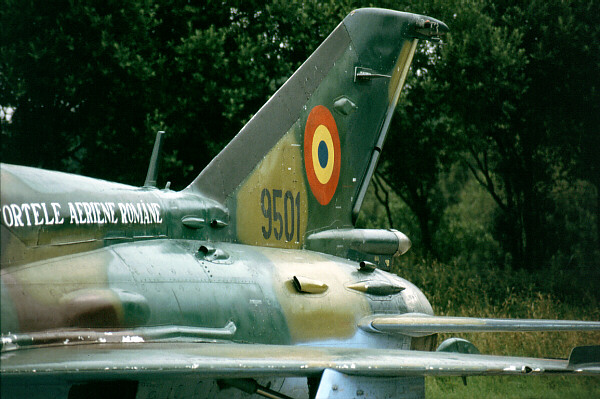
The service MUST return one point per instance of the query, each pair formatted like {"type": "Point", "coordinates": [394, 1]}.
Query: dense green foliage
{"type": "Point", "coordinates": [491, 158]}
{"type": "Point", "coordinates": [510, 100]}
{"type": "Point", "coordinates": [91, 82]}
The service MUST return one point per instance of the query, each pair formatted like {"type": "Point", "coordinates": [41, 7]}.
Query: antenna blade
{"type": "Point", "coordinates": [153, 167]}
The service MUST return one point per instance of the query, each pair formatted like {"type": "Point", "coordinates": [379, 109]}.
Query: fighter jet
{"type": "Point", "coordinates": [252, 280]}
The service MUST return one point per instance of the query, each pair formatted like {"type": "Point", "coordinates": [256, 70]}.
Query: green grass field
{"type": "Point", "coordinates": [507, 387]}
{"type": "Point", "coordinates": [489, 292]}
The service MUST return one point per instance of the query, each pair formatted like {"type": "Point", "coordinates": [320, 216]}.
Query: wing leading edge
{"type": "Point", "coordinates": [224, 360]}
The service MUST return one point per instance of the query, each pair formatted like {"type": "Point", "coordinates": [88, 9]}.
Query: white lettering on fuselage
{"type": "Point", "coordinates": [99, 213]}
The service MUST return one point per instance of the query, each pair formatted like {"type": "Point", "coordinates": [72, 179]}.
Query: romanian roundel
{"type": "Point", "coordinates": [322, 155]}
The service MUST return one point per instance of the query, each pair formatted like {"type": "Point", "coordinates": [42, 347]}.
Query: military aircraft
{"type": "Point", "coordinates": [253, 279]}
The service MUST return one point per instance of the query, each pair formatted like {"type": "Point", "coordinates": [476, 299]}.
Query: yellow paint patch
{"type": "Point", "coordinates": [323, 173]}
{"type": "Point", "coordinates": [401, 70]}
{"type": "Point", "coordinates": [271, 205]}
{"type": "Point", "coordinates": [331, 315]}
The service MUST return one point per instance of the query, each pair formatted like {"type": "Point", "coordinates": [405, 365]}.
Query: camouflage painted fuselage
{"type": "Point", "coordinates": [83, 258]}
{"type": "Point", "coordinates": [85, 253]}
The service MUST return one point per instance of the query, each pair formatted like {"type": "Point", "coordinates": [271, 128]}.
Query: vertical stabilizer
{"type": "Point", "coordinates": [303, 162]}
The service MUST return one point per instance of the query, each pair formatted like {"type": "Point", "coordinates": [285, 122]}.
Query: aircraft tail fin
{"type": "Point", "coordinates": [302, 164]}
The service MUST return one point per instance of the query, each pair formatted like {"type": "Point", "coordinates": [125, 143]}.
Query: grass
{"type": "Point", "coordinates": [513, 387]}
{"type": "Point", "coordinates": [486, 291]}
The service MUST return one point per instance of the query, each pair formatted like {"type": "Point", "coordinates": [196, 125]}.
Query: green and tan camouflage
{"type": "Point", "coordinates": [253, 279]}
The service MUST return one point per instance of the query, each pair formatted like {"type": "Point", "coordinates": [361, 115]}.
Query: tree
{"type": "Point", "coordinates": [417, 153]}
{"type": "Point", "coordinates": [80, 77]}
{"type": "Point", "coordinates": [92, 81]}
{"type": "Point", "coordinates": [520, 86]}
{"type": "Point", "coordinates": [485, 66]}
{"type": "Point", "coordinates": [549, 119]}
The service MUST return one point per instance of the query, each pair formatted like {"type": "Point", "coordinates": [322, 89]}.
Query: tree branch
{"type": "Point", "coordinates": [488, 184]}
{"type": "Point", "coordinates": [385, 201]}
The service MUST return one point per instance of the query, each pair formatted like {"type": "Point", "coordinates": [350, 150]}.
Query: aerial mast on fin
{"type": "Point", "coordinates": [152, 175]}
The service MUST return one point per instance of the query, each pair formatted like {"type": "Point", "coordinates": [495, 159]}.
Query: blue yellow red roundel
{"type": "Point", "coordinates": [322, 155]}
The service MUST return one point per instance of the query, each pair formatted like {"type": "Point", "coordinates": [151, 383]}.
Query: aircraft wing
{"type": "Point", "coordinates": [146, 360]}
{"type": "Point", "coordinates": [416, 324]}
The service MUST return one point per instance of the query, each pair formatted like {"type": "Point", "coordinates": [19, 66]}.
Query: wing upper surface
{"type": "Point", "coordinates": [226, 360]}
